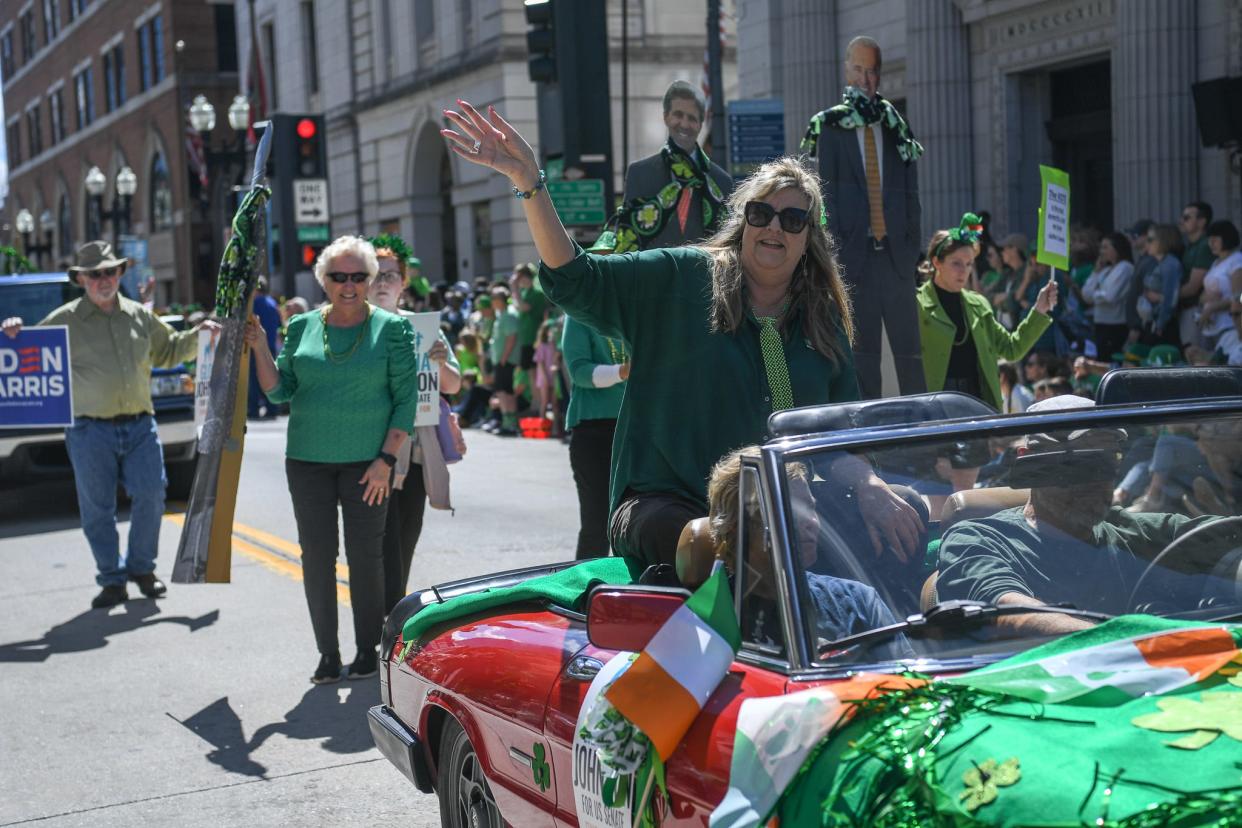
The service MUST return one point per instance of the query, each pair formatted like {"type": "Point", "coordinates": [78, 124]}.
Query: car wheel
{"type": "Point", "coordinates": [180, 478]}
{"type": "Point", "coordinates": [465, 798]}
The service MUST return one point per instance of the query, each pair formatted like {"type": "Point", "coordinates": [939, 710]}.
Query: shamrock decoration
{"type": "Point", "coordinates": [983, 780]}
{"type": "Point", "coordinates": [1215, 714]}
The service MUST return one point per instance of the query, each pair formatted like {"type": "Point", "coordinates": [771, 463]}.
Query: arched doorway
{"type": "Point", "coordinates": [431, 206]}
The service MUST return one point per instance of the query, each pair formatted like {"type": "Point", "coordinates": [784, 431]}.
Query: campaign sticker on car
{"type": "Point", "coordinates": [588, 776]}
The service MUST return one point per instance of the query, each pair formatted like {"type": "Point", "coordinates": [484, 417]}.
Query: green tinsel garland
{"type": "Point", "coordinates": [237, 273]}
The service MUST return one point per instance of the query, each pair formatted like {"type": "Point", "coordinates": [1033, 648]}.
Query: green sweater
{"type": "Point", "coordinates": [992, 341]}
{"type": "Point", "coordinates": [341, 412]}
{"type": "Point", "coordinates": [693, 395]}
{"type": "Point", "coordinates": [583, 350]}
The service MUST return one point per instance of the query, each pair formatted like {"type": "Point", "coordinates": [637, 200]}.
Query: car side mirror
{"type": "Point", "coordinates": [627, 617]}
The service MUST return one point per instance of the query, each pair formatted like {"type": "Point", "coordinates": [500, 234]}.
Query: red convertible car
{"type": "Point", "coordinates": [483, 705]}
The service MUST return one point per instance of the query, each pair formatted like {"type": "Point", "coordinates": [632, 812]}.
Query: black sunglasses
{"type": "Point", "coordinates": [759, 214]}
{"type": "Point", "coordinates": [103, 273]}
{"type": "Point", "coordinates": [342, 278]}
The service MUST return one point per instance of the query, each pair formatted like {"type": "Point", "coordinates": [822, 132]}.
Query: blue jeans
{"type": "Point", "coordinates": [104, 454]}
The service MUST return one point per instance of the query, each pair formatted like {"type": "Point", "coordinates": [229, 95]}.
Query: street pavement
{"type": "Point", "coordinates": [196, 710]}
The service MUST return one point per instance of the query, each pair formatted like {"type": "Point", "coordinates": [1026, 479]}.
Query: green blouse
{"type": "Point", "coordinates": [341, 411]}
{"type": "Point", "coordinates": [693, 395]}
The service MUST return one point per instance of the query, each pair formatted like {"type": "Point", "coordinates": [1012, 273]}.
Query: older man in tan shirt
{"type": "Point", "coordinates": [113, 343]}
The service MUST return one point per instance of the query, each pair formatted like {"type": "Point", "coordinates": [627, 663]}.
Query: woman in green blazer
{"type": "Point", "coordinates": [962, 340]}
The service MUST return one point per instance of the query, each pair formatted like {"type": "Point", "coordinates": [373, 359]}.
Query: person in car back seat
{"type": "Point", "coordinates": [1068, 543]}
{"type": "Point", "coordinates": [841, 607]}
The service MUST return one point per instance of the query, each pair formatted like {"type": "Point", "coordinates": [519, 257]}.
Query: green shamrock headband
{"type": "Point", "coordinates": [969, 231]}
{"type": "Point", "coordinates": [393, 242]}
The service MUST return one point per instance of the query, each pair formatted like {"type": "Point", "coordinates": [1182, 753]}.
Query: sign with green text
{"type": "Point", "coordinates": [1054, 207]}
{"type": "Point", "coordinates": [580, 201]}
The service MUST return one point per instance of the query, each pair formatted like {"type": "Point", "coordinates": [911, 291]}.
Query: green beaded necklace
{"type": "Point", "coordinates": [327, 349]}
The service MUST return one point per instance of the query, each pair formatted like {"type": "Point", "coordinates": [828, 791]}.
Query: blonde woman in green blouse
{"type": "Point", "coordinates": [349, 374]}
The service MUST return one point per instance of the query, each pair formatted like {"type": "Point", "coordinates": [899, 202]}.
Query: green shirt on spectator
{"type": "Point", "coordinates": [1196, 255]}
{"type": "Point", "coordinates": [693, 395]}
{"type": "Point", "coordinates": [111, 355]}
{"type": "Point", "coordinates": [506, 325]}
{"type": "Point", "coordinates": [341, 411]}
{"type": "Point", "coordinates": [530, 320]}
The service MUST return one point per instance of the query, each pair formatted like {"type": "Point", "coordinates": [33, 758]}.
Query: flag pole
{"type": "Point", "coordinates": [641, 803]}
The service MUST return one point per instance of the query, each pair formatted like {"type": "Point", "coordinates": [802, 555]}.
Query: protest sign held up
{"type": "Point", "coordinates": [35, 390]}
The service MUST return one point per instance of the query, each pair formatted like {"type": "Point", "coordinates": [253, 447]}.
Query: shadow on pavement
{"type": "Point", "coordinates": [52, 506]}
{"type": "Point", "coordinates": [92, 629]}
{"type": "Point", "coordinates": [335, 713]}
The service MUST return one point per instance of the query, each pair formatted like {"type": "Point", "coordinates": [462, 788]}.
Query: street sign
{"type": "Point", "coordinates": [579, 202]}
{"type": "Point", "coordinates": [313, 233]}
{"type": "Point", "coordinates": [756, 133]}
{"type": "Point", "coordinates": [310, 201]}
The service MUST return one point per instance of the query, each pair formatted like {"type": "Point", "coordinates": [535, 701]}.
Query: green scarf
{"type": "Point", "coordinates": [645, 218]}
{"type": "Point", "coordinates": [857, 110]}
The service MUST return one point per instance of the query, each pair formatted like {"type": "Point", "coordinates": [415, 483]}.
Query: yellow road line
{"type": "Point", "coordinates": [279, 561]}
{"type": "Point", "coordinates": [262, 538]}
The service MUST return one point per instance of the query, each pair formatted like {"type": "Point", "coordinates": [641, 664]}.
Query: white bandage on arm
{"type": "Point", "coordinates": [604, 376]}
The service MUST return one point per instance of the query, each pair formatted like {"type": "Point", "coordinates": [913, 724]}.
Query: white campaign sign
{"type": "Point", "coordinates": [310, 201]}
{"type": "Point", "coordinates": [426, 333]}
{"type": "Point", "coordinates": [202, 377]}
{"type": "Point", "coordinates": [1056, 220]}
{"type": "Point", "coordinates": [588, 776]}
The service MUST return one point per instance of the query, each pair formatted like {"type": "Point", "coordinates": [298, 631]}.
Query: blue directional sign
{"type": "Point", "coordinates": [756, 133]}
{"type": "Point", "coordinates": [34, 379]}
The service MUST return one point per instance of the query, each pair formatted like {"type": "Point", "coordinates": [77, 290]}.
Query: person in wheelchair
{"type": "Point", "coordinates": [840, 606]}
{"type": "Point", "coordinates": [1068, 544]}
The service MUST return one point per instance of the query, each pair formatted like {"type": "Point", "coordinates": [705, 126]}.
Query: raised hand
{"type": "Point", "coordinates": [1047, 298]}
{"type": "Point", "coordinates": [492, 142]}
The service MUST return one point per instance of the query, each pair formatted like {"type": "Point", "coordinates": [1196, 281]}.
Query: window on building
{"type": "Point", "coordinates": [56, 111]}
{"type": "Point", "coordinates": [64, 228]}
{"type": "Point", "coordinates": [13, 143]}
{"type": "Point", "coordinates": [160, 195]}
{"type": "Point", "coordinates": [51, 20]}
{"type": "Point", "coordinates": [7, 66]}
{"type": "Point", "coordinates": [84, 97]}
{"type": "Point", "coordinates": [29, 46]}
{"type": "Point", "coordinates": [424, 20]}
{"type": "Point", "coordinates": [310, 47]}
{"type": "Point", "coordinates": [35, 130]}
{"type": "Point", "coordinates": [466, 10]}
{"type": "Point", "coordinates": [77, 7]}
{"type": "Point", "coordinates": [114, 77]}
{"type": "Point", "coordinates": [269, 61]}
{"type": "Point", "coordinates": [226, 37]}
{"type": "Point", "coordinates": [151, 53]}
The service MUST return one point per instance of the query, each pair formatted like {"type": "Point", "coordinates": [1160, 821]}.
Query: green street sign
{"type": "Point", "coordinates": [313, 233]}
{"type": "Point", "coordinates": [579, 202]}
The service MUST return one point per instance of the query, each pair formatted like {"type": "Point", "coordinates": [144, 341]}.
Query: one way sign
{"type": "Point", "coordinates": [310, 200]}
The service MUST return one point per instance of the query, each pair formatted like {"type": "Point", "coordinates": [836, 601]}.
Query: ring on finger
{"type": "Point", "coordinates": [475, 149]}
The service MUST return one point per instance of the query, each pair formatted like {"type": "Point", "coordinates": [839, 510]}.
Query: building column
{"type": "Point", "coordinates": [1155, 142]}
{"type": "Point", "coordinates": [939, 108]}
{"type": "Point", "coordinates": [810, 65]}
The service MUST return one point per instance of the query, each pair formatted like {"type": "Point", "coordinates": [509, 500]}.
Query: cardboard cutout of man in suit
{"type": "Point", "coordinates": [867, 159]}
{"type": "Point", "coordinates": [669, 216]}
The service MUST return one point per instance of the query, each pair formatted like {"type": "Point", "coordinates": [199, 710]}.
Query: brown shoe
{"type": "Point", "coordinates": [110, 596]}
{"type": "Point", "coordinates": [149, 585]}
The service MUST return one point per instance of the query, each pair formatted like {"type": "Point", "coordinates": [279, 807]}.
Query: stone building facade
{"type": "Point", "coordinates": [107, 83]}
{"type": "Point", "coordinates": [382, 71]}
{"type": "Point", "coordinates": [993, 88]}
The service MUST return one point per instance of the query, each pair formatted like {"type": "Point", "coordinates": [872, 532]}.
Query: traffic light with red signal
{"type": "Point", "coordinates": [301, 217]}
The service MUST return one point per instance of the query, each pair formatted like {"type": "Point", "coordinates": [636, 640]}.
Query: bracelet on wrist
{"type": "Point", "coordinates": [543, 179]}
{"type": "Point", "coordinates": [389, 459]}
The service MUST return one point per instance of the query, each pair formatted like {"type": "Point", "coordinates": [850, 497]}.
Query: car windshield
{"type": "Point", "coordinates": [1110, 516]}
{"type": "Point", "coordinates": [33, 300]}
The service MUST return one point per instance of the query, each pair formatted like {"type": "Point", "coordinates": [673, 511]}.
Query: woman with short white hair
{"type": "Point", "coordinates": [349, 374]}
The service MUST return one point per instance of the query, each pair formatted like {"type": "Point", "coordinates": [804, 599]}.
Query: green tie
{"type": "Point", "coordinates": [774, 363]}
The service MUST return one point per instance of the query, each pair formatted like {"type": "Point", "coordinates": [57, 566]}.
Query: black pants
{"type": "Point", "coordinates": [317, 490]}
{"type": "Point", "coordinates": [646, 525]}
{"type": "Point", "coordinates": [884, 299]}
{"type": "Point", "coordinates": [1110, 339]}
{"type": "Point", "coordinates": [590, 457]}
{"type": "Point", "coordinates": [401, 532]}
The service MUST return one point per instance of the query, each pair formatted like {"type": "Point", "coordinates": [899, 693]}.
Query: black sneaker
{"type": "Point", "coordinates": [149, 585]}
{"type": "Point", "coordinates": [329, 669]}
{"type": "Point", "coordinates": [110, 596]}
{"type": "Point", "coordinates": [364, 666]}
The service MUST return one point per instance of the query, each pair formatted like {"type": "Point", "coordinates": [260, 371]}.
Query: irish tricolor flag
{"type": "Point", "coordinates": [667, 685]}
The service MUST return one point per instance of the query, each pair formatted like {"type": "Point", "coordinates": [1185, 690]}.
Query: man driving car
{"type": "Point", "coordinates": [1068, 544]}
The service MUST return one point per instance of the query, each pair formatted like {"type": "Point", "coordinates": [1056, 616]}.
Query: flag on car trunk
{"type": "Point", "coordinates": [681, 666]}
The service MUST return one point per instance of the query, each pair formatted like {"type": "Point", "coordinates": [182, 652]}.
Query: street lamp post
{"type": "Point", "coordinates": [119, 212]}
{"type": "Point", "coordinates": [25, 225]}
{"type": "Point", "coordinates": [203, 121]}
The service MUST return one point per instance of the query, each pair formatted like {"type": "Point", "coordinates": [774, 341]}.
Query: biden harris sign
{"type": "Point", "coordinates": [34, 379]}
